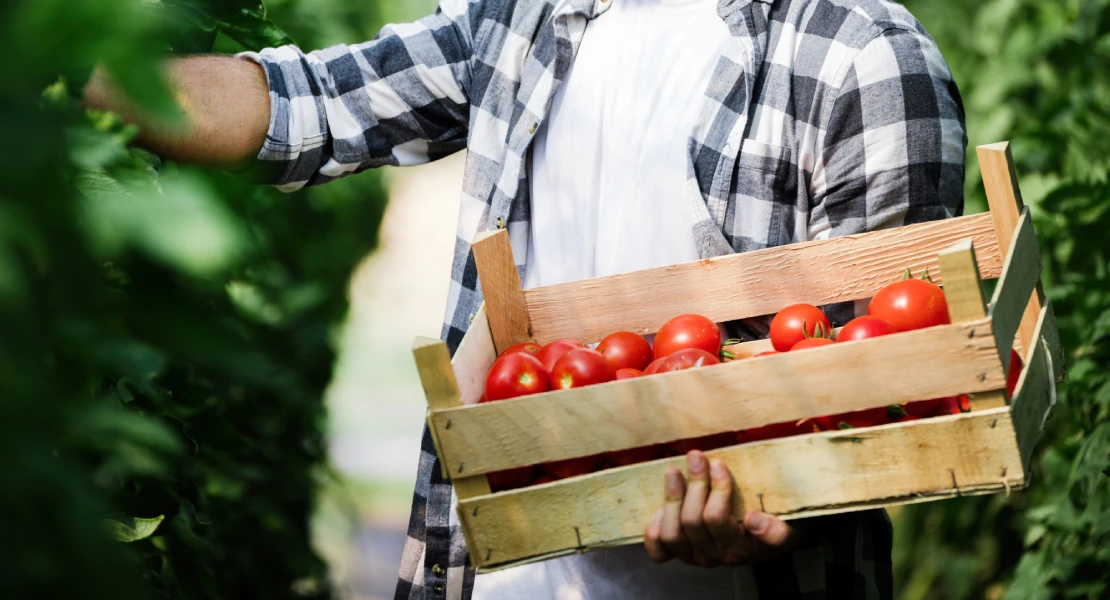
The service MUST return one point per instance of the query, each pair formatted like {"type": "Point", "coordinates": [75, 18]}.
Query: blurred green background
{"type": "Point", "coordinates": [169, 336]}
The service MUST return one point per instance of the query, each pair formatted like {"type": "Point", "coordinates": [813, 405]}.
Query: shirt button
{"type": "Point", "coordinates": [500, 223]}
{"type": "Point", "coordinates": [438, 570]}
{"type": "Point", "coordinates": [438, 589]}
{"type": "Point", "coordinates": [532, 129]}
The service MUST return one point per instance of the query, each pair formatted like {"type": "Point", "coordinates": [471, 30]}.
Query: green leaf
{"type": "Point", "coordinates": [133, 529]}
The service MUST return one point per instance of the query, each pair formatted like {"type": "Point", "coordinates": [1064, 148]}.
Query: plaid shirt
{"type": "Point", "coordinates": [826, 118]}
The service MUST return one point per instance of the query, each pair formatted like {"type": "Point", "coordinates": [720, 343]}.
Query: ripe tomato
{"type": "Point", "coordinates": [863, 418]}
{"type": "Point", "coordinates": [811, 343]}
{"type": "Point", "coordinates": [796, 323]}
{"type": "Point", "coordinates": [629, 373]}
{"type": "Point", "coordinates": [510, 479]}
{"type": "Point", "coordinates": [687, 331]}
{"type": "Point", "coordinates": [625, 350]}
{"type": "Point", "coordinates": [910, 304]}
{"type": "Point", "coordinates": [621, 458]}
{"type": "Point", "coordinates": [527, 347]}
{"type": "Point", "coordinates": [561, 469]}
{"type": "Point", "coordinates": [681, 360]}
{"type": "Point", "coordinates": [954, 405]}
{"type": "Point", "coordinates": [552, 352]}
{"type": "Point", "coordinates": [542, 479]}
{"type": "Point", "coordinates": [580, 367]}
{"type": "Point", "coordinates": [1015, 373]}
{"type": "Point", "coordinates": [923, 408]}
{"type": "Point", "coordinates": [709, 442]}
{"type": "Point", "coordinates": [861, 328]}
{"type": "Point", "coordinates": [516, 374]}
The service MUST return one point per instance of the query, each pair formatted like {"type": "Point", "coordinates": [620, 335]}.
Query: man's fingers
{"type": "Point", "coordinates": [652, 542]}
{"type": "Point", "coordinates": [670, 529]}
{"type": "Point", "coordinates": [722, 526]}
{"type": "Point", "coordinates": [697, 490]}
{"type": "Point", "coordinates": [769, 531]}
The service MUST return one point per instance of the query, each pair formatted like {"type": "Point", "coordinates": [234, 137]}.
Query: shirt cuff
{"type": "Point", "coordinates": [297, 136]}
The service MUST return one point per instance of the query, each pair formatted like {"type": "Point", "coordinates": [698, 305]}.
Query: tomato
{"type": "Point", "coordinates": [796, 323]}
{"type": "Point", "coordinates": [580, 367]}
{"type": "Point", "coordinates": [923, 408]}
{"type": "Point", "coordinates": [542, 479]}
{"type": "Point", "coordinates": [621, 458]}
{"type": "Point", "coordinates": [861, 328]}
{"type": "Point", "coordinates": [561, 469]}
{"type": "Point", "coordinates": [629, 373]}
{"type": "Point", "coordinates": [687, 331]}
{"type": "Point", "coordinates": [527, 347]}
{"type": "Point", "coordinates": [767, 353]}
{"type": "Point", "coordinates": [864, 418]}
{"type": "Point", "coordinates": [1015, 373]}
{"type": "Point", "coordinates": [811, 343]}
{"type": "Point", "coordinates": [704, 443]}
{"type": "Point", "coordinates": [910, 304]}
{"type": "Point", "coordinates": [516, 374]}
{"type": "Point", "coordinates": [625, 350]}
{"type": "Point", "coordinates": [681, 360]}
{"type": "Point", "coordinates": [954, 405]}
{"type": "Point", "coordinates": [555, 350]}
{"type": "Point", "coordinates": [510, 479]}
{"type": "Point", "coordinates": [778, 430]}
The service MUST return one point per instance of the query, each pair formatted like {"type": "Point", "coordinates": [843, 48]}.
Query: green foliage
{"type": "Point", "coordinates": [165, 332]}
{"type": "Point", "coordinates": [1035, 73]}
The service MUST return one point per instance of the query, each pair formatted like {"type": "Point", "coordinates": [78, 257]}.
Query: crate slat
{"type": "Point", "coordinates": [1020, 275]}
{"type": "Point", "coordinates": [501, 289]}
{"type": "Point", "coordinates": [795, 477]}
{"type": "Point", "coordinates": [733, 396]}
{"type": "Point", "coordinates": [754, 283]}
{"type": "Point", "coordinates": [1032, 395]}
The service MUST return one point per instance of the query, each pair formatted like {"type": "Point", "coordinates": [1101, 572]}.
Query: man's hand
{"type": "Point", "coordinates": [696, 524]}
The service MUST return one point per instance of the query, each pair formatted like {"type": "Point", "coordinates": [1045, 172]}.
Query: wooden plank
{"type": "Point", "coordinates": [1033, 395]}
{"type": "Point", "coordinates": [964, 294]}
{"type": "Point", "coordinates": [1051, 337]}
{"type": "Point", "coordinates": [433, 363]}
{"type": "Point", "coordinates": [501, 288]}
{"type": "Point", "coordinates": [737, 395]}
{"type": "Point", "coordinates": [754, 283]}
{"type": "Point", "coordinates": [1020, 274]}
{"type": "Point", "coordinates": [792, 477]}
{"type": "Point", "coordinates": [473, 358]}
{"type": "Point", "coordinates": [1004, 197]}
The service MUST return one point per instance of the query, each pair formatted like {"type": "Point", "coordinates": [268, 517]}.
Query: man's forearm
{"type": "Point", "coordinates": [225, 105]}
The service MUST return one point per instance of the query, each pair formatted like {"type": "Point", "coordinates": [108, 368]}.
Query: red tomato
{"type": "Point", "coordinates": [861, 328]}
{"type": "Point", "coordinates": [621, 458]}
{"type": "Point", "coordinates": [510, 479]}
{"type": "Point", "coordinates": [709, 442]}
{"type": "Point", "coordinates": [527, 347]}
{"type": "Point", "coordinates": [625, 350]}
{"type": "Point", "coordinates": [796, 323]}
{"type": "Point", "coordinates": [629, 373]}
{"type": "Point", "coordinates": [923, 408]}
{"type": "Point", "coordinates": [681, 360]}
{"type": "Point", "coordinates": [910, 304]}
{"type": "Point", "coordinates": [954, 405]}
{"type": "Point", "coordinates": [542, 479]}
{"type": "Point", "coordinates": [1015, 373]}
{"type": "Point", "coordinates": [580, 367]}
{"type": "Point", "coordinates": [561, 469]}
{"type": "Point", "coordinates": [687, 331]}
{"type": "Point", "coordinates": [555, 350]}
{"type": "Point", "coordinates": [862, 418]}
{"type": "Point", "coordinates": [516, 374]}
{"type": "Point", "coordinates": [811, 343]}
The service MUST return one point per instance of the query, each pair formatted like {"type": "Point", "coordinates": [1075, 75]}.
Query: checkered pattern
{"type": "Point", "coordinates": [828, 117]}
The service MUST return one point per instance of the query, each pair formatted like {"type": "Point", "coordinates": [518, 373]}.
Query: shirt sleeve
{"type": "Point", "coordinates": [399, 99]}
{"type": "Point", "coordinates": [894, 143]}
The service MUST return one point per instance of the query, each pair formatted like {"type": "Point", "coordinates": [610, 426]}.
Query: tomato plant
{"type": "Point", "coordinates": [796, 323]}
{"type": "Point", "coordinates": [516, 374]}
{"type": "Point", "coordinates": [862, 328]}
{"type": "Point", "coordinates": [626, 350]}
{"type": "Point", "coordinates": [910, 304]}
{"type": "Point", "coordinates": [580, 367]}
{"type": "Point", "coordinates": [553, 351]}
{"type": "Point", "coordinates": [687, 331]}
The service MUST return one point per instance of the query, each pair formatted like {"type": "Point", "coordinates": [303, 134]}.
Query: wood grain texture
{"type": "Point", "coordinates": [506, 308]}
{"type": "Point", "coordinates": [796, 477]}
{"type": "Point", "coordinates": [1020, 274]}
{"type": "Point", "coordinates": [963, 293]}
{"type": "Point", "coordinates": [753, 283]}
{"type": "Point", "coordinates": [473, 358]}
{"type": "Point", "coordinates": [433, 363]}
{"type": "Point", "coordinates": [1004, 198]}
{"type": "Point", "coordinates": [729, 397]}
{"type": "Point", "coordinates": [1032, 396]}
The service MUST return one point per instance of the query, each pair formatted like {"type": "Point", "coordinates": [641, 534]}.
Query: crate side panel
{"type": "Point", "coordinates": [795, 476]}
{"type": "Point", "coordinates": [754, 283]}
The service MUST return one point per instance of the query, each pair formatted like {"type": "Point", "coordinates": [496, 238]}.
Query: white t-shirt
{"type": "Point", "coordinates": [610, 195]}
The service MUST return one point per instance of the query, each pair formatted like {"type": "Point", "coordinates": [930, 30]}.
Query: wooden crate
{"type": "Point", "coordinates": [984, 451]}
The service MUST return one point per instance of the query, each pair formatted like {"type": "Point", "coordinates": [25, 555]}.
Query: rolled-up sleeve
{"type": "Point", "coordinates": [399, 99]}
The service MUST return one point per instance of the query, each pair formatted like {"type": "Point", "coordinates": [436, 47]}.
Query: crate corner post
{"type": "Point", "coordinates": [433, 363]}
{"type": "Point", "coordinates": [506, 307]}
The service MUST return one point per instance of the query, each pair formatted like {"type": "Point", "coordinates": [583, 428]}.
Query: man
{"type": "Point", "coordinates": [608, 136]}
